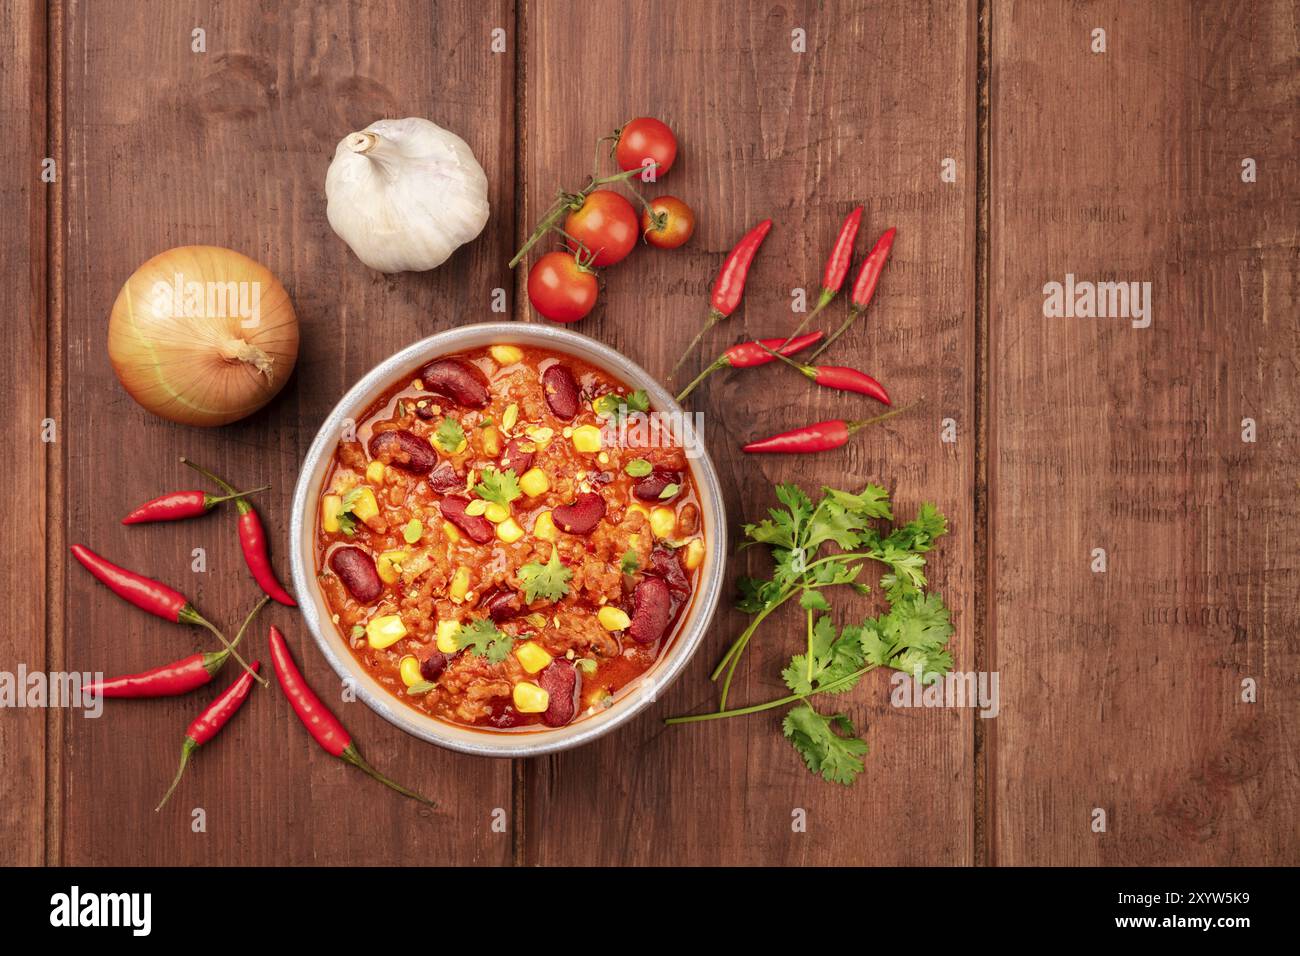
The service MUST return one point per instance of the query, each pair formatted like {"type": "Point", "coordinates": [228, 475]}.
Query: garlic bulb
{"type": "Point", "coordinates": [405, 194]}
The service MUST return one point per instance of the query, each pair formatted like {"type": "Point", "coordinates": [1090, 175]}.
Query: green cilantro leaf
{"type": "Point", "coordinates": [347, 520]}
{"type": "Point", "coordinates": [837, 758]}
{"type": "Point", "coordinates": [619, 406]}
{"type": "Point", "coordinates": [831, 664]}
{"type": "Point", "coordinates": [630, 561]}
{"type": "Point", "coordinates": [549, 580]}
{"type": "Point", "coordinates": [501, 487]}
{"type": "Point", "coordinates": [449, 435]}
{"type": "Point", "coordinates": [484, 639]}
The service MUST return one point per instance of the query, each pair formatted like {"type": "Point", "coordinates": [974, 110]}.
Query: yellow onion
{"type": "Point", "coordinates": [202, 335]}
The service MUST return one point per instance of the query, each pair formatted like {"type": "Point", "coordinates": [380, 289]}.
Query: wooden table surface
{"type": "Point", "coordinates": [1120, 691]}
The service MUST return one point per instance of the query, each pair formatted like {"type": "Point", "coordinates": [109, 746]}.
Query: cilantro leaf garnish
{"type": "Point", "coordinates": [484, 639]}
{"type": "Point", "coordinates": [501, 487]}
{"type": "Point", "coordinates": [620, 406]}
{"type": "Point", "coordinates": [449, 435]}
{"type": "Point", "coordinates": [837, 758]}
{"type": "Point", "coordinates": [347, 520]}
{"type": "Point", "coordinates": [549, 580]}
{"type": "Point", "coordinates": [629, 562]}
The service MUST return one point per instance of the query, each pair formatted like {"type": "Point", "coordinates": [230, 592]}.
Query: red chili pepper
{"type": "Point", "coordinates": [864, 287]}
{"type": "Point", "coordinates": [822, 436]}
{"type": "Point", "coordinates": [178, 677]}
{"type": "Point", "coordinates": [149, 595]}
{"type": "Point", "coordinates": [209, 723]}
{"type": "Point", "coordinates": [320, 723]}
{"type": "Point", "coordinates": [839, 377]}
{"type": "Point", "coordinates": [181, 504]}
{"type": "Point", "coordinates": [750, 354]}
{"type": "Point", "coordinates": [730, 284]}
{"type": "Point", "coordinates": [252, 539]}
{"type": "Point", "coordinates": [837, 267]}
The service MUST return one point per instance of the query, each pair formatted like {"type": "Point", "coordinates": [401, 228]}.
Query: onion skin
{"type": "Point", "coordinates": [201, 370]}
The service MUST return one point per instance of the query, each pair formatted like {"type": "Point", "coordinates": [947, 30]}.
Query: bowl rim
{"type": "Point", "coordinates": [629, 703]}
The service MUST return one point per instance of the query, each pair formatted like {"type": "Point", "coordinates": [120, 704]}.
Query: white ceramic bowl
{"type": "Point", "coordinates": [524, 742]}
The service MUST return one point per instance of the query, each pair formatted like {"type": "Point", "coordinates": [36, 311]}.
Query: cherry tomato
{"type": "Point", "coordinates": [668, 223]}
{"type": "Point", "coordinates": [560, 289]}
{"type": "Point", "coordinates": [606, 225]}
{"type": "Point", "coordinates": [646, 138]}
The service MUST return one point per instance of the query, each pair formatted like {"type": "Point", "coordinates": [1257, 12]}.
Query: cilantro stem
{"type": "Point", "coordinates": [740, 641]}
{"type": "Point", "coordinates": [769, 705]}
{"type": "Point", "coordinates": [809, 654]}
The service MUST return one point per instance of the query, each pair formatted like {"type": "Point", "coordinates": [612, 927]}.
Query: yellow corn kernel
{"type": "Point", "coordinates": [491, 441]}
{"type": "Point", "coordinates": [532, 657]}
{"type": "Point", "coordinates": [694, 556]}
{"type": "Point", "coordinates": [509, 531]}
{"type": "Point", "coordinates": [329, 513]}
{"type": "Point", "coordinates": [510, 416]}
{"type": "Point", "coordinates": [544, 527]}
{"type": "Point", "coordinates": [389, 565]}
{"type": "Point", "coordinates": [459, 586]}
{"type": "Point", "coordinates": [409, 669]}
{"type": "Point", "coordinates": [366, 506]}
{"type": "Point", "coordinates": [534, 482]}
{"type": "Point", "coordinates": [506, 354]}
{"type": "Point", "coordinates": [375, 472]}
{"type": "Point", "coordinates": [476, 508]}
{"type": "Point", "coordinates": [385, 631]}
{"type": "Point", "coordinates": [541, 434]}
{"type": "Point", "coordinates": [496, 513]}
{"type": "Point", "coordinates": [447, 634]}
{"type": "Point", "coordinates": [612, 619]}
{"type": "Point", "coordinates": [451, 531]}
{"type": "Point", "coordinates": [586, 438]}
{"type": "Point", "coordinates": [663, 522]}
{"type": "Point", "coordinates": [531, 699]}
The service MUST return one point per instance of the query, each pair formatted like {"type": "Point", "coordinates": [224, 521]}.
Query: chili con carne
{"type": "Point", "coordinates": [150, 595]}
{"type": "Point", "coordinates": [178, 505]}
{"type": "Point", "coordinates": [837, 267]}
{"type": "Point", "coordinates": [823, 436]}
{"type": "Point", "coordinates": [210, 722]}
{"type": "Point", "coordinates": [730, 284]}
{"type": "Point", "coordinates": [864, 286]}
{"type": "Point", "coordinates": [252, 540]}
{"type": "Point", "coordinates": [178, 677]}
{"type": "Point", "coordinates": [750, 354]}
{"type": "Point", "coordinates": [320, 723]}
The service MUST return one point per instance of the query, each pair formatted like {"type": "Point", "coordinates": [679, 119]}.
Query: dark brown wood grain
{"type": "Point", "coordinates": [800, 138]}
{"type": "Point", "coordinates": [1123, 690]}
{"type": "Point", "coordinates": [1119, 690]}
{"type": "Point", "coordinates": [23, 390]}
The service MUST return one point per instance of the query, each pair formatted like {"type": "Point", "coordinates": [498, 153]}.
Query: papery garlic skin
{"type": "Point", "coordinates": [405, 194]}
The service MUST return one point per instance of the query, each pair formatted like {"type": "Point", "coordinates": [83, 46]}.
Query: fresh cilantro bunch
{"type": "Point", "coordinates": [911, 636]}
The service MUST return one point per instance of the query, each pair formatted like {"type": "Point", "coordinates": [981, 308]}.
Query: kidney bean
{"type": "Point", "coordinates": [456, 379]}
{"type": "Point", "coordinates": [356, 569]}
{"type": "Point", "coordinates": [582, 516]}
{"type": "Point", "coordinates": [476, 526]}
{"type": "Point", "coordinates": [431, 667]}
{"type": "Point", "coordinates": [652, 609]}
{"type": "Point", "coordinates": [665, 564]}
{"type": "Point", "coordinates": [652, 485]}
{"type": "Point", "coordinates": [560, 681]}
{"type": "Point", "coordinates": [404, 450]}
{"type": "Point", "coordinates": [518, 456]}
{"type": "Point", "coordinates": [444, 479]}
{"type": "Point", "coordinates": [502, 604]}
{"type": "Point", "coordinates": [561, 391]}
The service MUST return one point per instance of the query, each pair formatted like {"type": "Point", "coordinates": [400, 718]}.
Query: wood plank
{"type": "Point", "coordinates": [859, 117]}
{"type": "Point", "coordinates": [165, 147]}
{"type": "Point", "coordinates": [23, 394]}
{"type": "Point", "coordinates": [1122, 690]}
